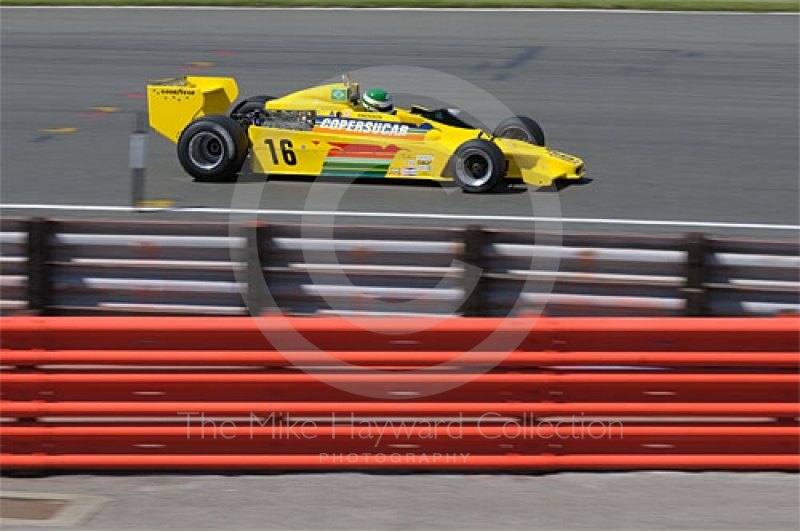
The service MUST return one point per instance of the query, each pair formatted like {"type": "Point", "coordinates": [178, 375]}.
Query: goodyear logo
{"type": "Point", "coordinates": [177, 92]}
{"type": "Point", "coordinates": [363, 126]}
{"type": "Point", "coordinates": [562, 156]}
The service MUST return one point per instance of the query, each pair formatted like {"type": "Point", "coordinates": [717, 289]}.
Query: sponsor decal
{"type": "Point", "coordinates": [338, 94]}
{"type": "Point", "coordinates": [411, 164]}
{"type": "Point", "coordinates": [409, 172]}
{"type": "Point", "coordinates": [395, 171]}
{"type": "Point", "coordinates": [358, 160]}
{"type": "Point", "coordinates": [366, 127]}
{"type": "Point", "coordinates": [174, 92]}
{"type": "Point", "coordinates": [562, 156]}
{"type": "Point", "coordinates": [424, 167]}
{"type": "Point", "coordinates": [346, 113]}
{"type": "Point", "coordinates": [424, 158]}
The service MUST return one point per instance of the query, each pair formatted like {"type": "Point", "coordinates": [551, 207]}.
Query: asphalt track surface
{"type": "Point", "coordinates": [678, 116]}
{"type": "Point", "coordinates": [643, 501]}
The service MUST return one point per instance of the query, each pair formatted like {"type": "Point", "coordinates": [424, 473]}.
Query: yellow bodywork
{"type": "Point", "coordinates": [174, 103]}
{"type": "Point", "coordinates": [339, 138]}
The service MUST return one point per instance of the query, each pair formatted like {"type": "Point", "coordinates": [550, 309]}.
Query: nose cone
{"type": "Point", "coordinates": [570, 166]}
{"type": "Point", "coordinates": [538, 165]}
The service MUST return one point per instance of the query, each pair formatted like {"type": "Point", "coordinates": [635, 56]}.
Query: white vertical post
{"type": "Point", "coordinates": [138, 159]}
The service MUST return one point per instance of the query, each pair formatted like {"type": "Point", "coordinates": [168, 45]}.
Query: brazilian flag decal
{"type": "Point", "coordinates": [338, 94]}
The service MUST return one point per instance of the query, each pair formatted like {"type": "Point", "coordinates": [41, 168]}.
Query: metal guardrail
{"type": "Point", "coordinates": [362, 269]}
{"type": "Point", "coordinates": [752, 277]}
{"type": "Point", "coordinates": [13, 265]}
{"type": "Point", "coordinates": [130, 267]}
{"type": "Point", "coordinates": [67, 267]}
{"type": "Point", "coordinates": [595, 275]}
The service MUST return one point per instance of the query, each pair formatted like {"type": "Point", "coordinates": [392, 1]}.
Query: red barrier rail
{"type": "Point", "coordinates": [381, 334]}
{"type": "Point", "coordinates": [481, 439]}
{"type": "Point", "coordinates": [588, 393]}
{"type": "Point", "coordinates": [400, 409]}
{"type": "Point", "coordinates": [492, 387]}
{"type": "Point", "coordinates": [411, 359]}
{"type": "Point", "coordinates": [402, 461]}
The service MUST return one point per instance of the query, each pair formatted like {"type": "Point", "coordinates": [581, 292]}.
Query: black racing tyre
{"type": "Point", "coordinates": [213, 148]}
{"type": "Point", "coordinates": [478, 165]}
{"type": "Point", "coordinates": [249, 105]}
{"type": "Point", "coordinates": [520, 128]}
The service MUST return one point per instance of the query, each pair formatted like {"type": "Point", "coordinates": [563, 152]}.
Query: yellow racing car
{"type": "Point", "coordinates": [334, 130]}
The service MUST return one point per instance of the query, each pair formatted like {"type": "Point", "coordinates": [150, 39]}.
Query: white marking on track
{"type": "Point", "coordinates": [485, 10]}
{"type": "Point", "coordinates": [402, 215]}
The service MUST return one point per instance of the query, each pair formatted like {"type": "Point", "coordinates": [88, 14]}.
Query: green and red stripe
{"type": "Point", "coordinates": [358, 160]}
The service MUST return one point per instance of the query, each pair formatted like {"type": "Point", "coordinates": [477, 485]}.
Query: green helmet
{"type": "Point", "coordinates": [377, 100]}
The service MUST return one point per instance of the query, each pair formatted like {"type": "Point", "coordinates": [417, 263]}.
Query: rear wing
{"type": "Point", "coordinates": [174, 103]}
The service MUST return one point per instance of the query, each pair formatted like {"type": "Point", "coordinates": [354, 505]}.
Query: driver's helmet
{"type": "Point", "coordinates": [377, 100]}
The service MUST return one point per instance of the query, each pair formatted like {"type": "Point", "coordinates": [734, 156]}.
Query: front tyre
{"type": "Point", "coordinates": [213, 148]}
{"type": "Point", "coordinates": [520, 128]}
{"type": "Point", "coordinates": [478, 166]}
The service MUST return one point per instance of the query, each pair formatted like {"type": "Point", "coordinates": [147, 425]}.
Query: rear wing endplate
{"type": "Point", "coordinates": [173, 103]}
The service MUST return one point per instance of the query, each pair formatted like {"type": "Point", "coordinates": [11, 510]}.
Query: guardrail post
{"type": "Point", "coordinates": [39, 270]}
{"type": "Point", "coordinates": [138, 159]}
{"type": "Point", "coordinates": [475, 241]}
{"type": "Point", "coordinates": [696, 275]}
{"type": "Point", "coordinates": [257, 258]}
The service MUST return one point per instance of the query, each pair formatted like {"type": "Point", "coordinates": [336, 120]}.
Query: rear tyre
{"type": "Point", "coordinates": [478, 166]}
{"type": "Point", "coordinates": [521, 128]}
{"type": "Point", "coordinates": [249, 105]}
{"type": "Point", "coordinates": [213, 148]}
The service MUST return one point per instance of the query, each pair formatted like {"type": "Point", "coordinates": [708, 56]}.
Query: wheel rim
{"type": "Point", "coordinates": [206, 150]}
{"type": "Point", "coordinates": [514, 132]}
{"type": "Point", "coordinates": [474, 168]}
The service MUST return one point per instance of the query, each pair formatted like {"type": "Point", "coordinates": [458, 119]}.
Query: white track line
{"type": "Point", "coordinates": [403, 215]}
{"type": "Point", "coordinates": [485, 10]}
